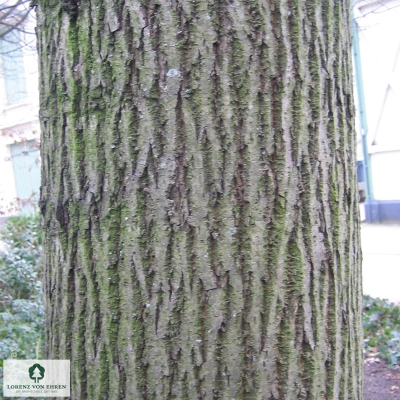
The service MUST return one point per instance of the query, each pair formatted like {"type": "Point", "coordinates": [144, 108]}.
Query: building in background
{"type": "Point", "coordinates": [19, 122]}
{"type": "Point", "coordinates": [378, 24]}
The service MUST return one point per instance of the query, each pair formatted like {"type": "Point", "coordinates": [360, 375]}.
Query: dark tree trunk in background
{"type": "Point", "coordinates": [199, 198]}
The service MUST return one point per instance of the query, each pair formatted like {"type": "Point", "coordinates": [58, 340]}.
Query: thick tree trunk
{"type": "Point", "coordinates": [199, 198]}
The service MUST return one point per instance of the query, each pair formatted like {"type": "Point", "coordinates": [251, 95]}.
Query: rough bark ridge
{"type": "Point", "coordinates": [199, 198]}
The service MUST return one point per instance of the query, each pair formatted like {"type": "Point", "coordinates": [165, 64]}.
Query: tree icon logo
{"type": "Point", "coordinates": [36, 372]}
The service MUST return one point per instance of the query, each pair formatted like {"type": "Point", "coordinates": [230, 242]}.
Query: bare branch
{"type": "Point", "coordinates": [13, 17]}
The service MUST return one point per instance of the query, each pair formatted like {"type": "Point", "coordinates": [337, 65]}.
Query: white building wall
{"type": "Point", "coordinates": [385, 168]}
{"type": "Point", "coordinates": [18, 121]}
{"type": "Point", "coordinates": [379, 36]}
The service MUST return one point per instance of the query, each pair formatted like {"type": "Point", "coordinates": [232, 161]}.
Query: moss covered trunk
{"type": "Point", "coordinates": [199, 198]}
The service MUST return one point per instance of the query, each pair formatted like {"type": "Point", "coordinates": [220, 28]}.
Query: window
{"type": "Point", "coordinates": [26, 167]}
{"type": "Point", "coordinates": [13, 67]}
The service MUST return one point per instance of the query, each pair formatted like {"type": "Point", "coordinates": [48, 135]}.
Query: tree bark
{"type": "Point", "coordinates": [199, 198]}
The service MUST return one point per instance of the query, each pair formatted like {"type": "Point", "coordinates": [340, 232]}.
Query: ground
{"type": "Point", "coordinates": [381, 382]}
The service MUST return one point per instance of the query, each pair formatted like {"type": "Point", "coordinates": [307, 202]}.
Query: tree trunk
{"type": "Point", "coordinates": [199, 198]}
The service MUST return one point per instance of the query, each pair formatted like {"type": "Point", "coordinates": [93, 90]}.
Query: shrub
{"type": "Point", "coordinates": [382, 329]}
{"type": "Point", "coordinates": [21, 305]}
